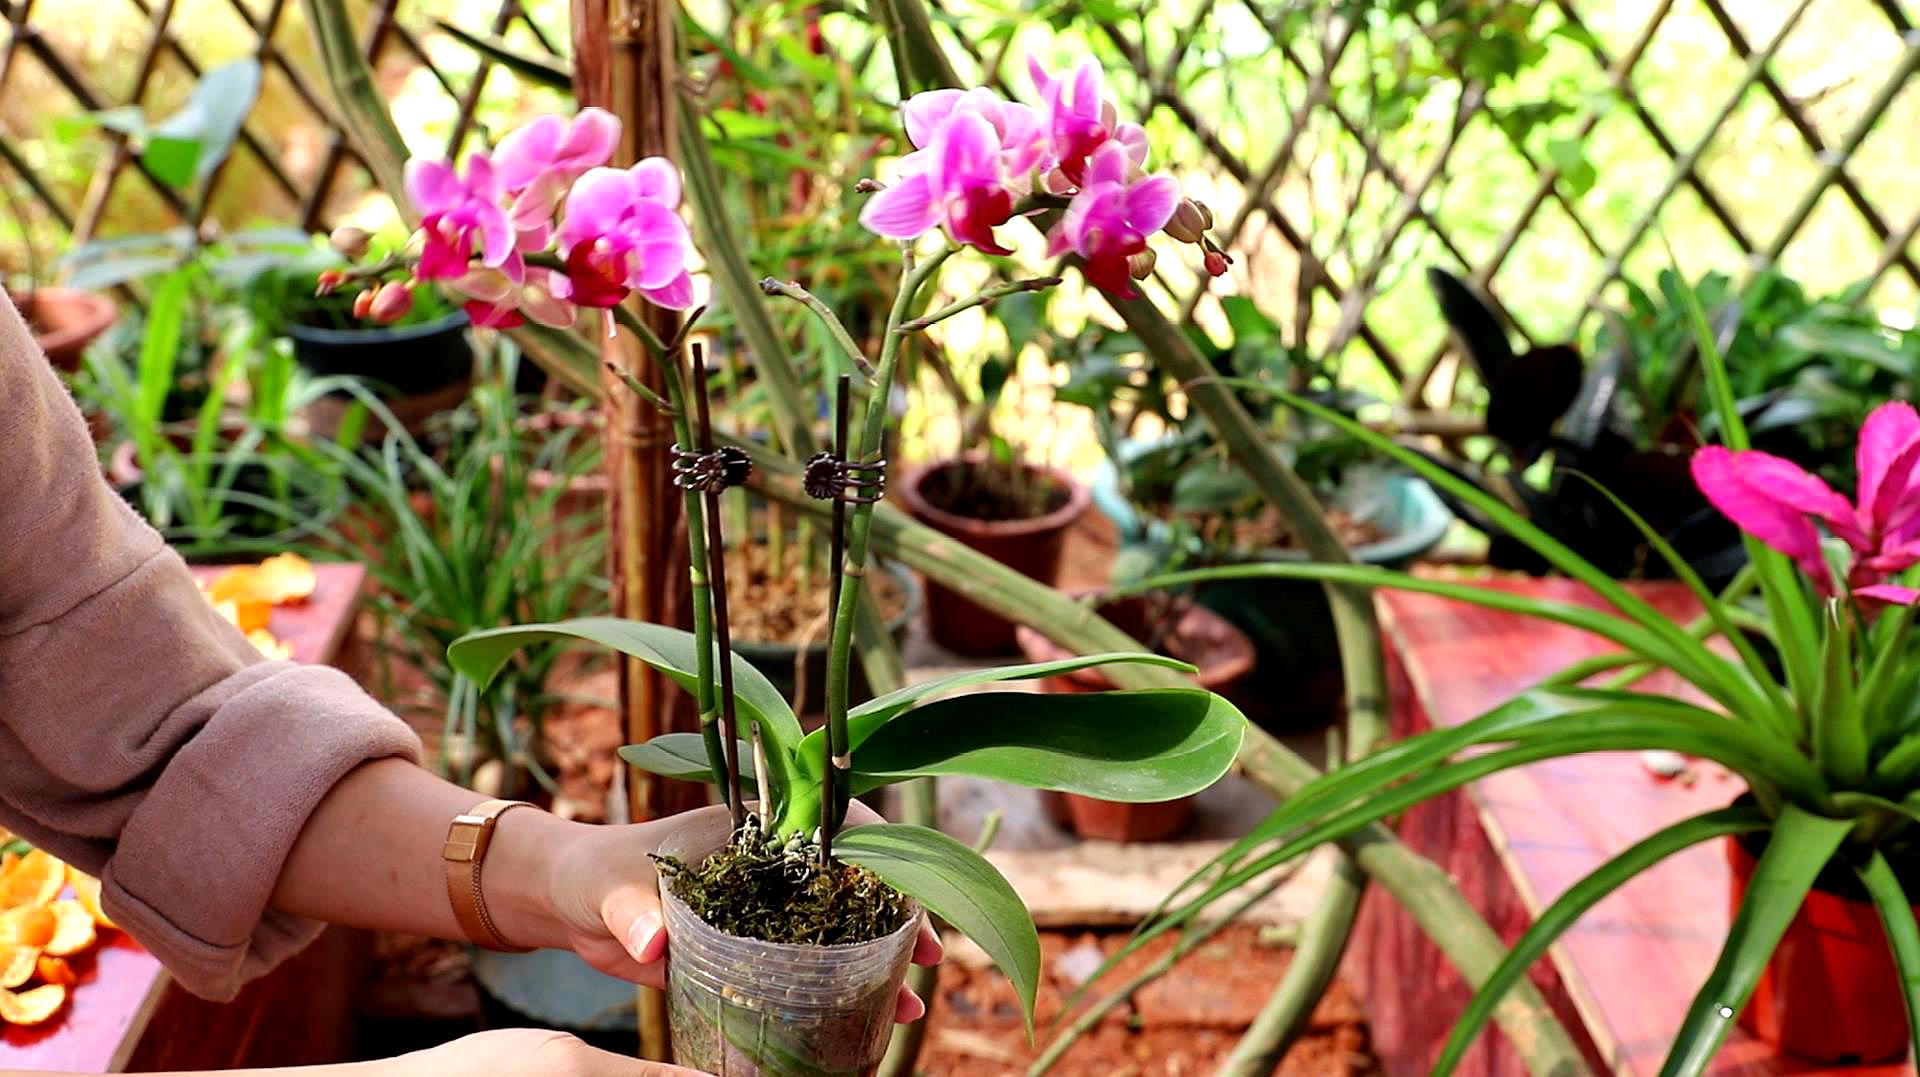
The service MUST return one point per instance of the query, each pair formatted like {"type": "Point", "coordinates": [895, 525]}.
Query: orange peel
{"type": "Point", "coordinates": [55, 970]}
{"type": "Point", "coordinates": [36, 880]}
{"type": "Point", "coordinates": [17, 965]}
{"type": "Point", "coordinates": [73, 929]}
{"type": "Point", "coordinates": [86, 890]}
{"type": "Point", "coordinates": [28, 925]}
{"type": "Point", "coordinates": [32, 1007]}
{"type": "Point", "coordinates": [284, 578]}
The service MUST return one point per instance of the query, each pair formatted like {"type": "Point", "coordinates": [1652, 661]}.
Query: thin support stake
{"type": "Point", "coordinates": [836, 572]}
{"type": "Point", "coordinates": [717, 571]}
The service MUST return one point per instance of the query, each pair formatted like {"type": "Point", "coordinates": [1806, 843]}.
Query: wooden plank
{"type": "Point", "coordinates": [1549, 824]}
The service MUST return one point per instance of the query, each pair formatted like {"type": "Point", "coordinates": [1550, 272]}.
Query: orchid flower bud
{"type": "Point", "coordinates": [1189, 222]}
{"type": "Point", "coordinates": [350, 241]}
{"type": "Point", "coordinates": [390, 303]}
{"type": "Point", "coordinates": [329, 281]}
{"type": "Point", "coordinates": [1217, 263]}
{"type": "Point", "coordinates": [362, 304]}
{"type": "Point", "coordinates": [1140, 264]}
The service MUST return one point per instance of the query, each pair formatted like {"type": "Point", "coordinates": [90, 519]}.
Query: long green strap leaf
{"type": "Point", "coordinates": [1800, 845]}
{"type": "Point", "coordinates": [1780, 716]}
{"type": "Point", "coordinates": [1903, 935]}
{"type": "Point", "coordinates": [1740, 698]}
{"type": "Point", "coordinates": [1570, 906]}
{"type": "Point", "coordinates": [1551, 744]}
{"type": "Point", "coordinates": [1712, 673]}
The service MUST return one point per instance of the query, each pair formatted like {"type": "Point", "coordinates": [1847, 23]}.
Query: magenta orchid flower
{"type": "Point", "coordinates": [1079, 121]}
{"type": "Point", "coordinates": [1783, 506]}
{"type": "Point", "coordinates": [456, 208]}
{"type": "Point", "coordinates": [959, 180]}
{"type": "Point", "coordinates": [1109, 220]}
{"type": "Point", "coordinates": [621, 231]}
{"type": "Point", "coordinates": [537, 162]}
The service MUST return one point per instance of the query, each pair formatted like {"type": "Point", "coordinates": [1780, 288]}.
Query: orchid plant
{"type": "Point", "coordinates": [1829, 747]}
{"type": "Point", "coordinates": [543, 227]}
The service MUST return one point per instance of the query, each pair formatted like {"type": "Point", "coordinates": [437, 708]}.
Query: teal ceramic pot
{"type": "Point", "coordinates": [1297, 682]}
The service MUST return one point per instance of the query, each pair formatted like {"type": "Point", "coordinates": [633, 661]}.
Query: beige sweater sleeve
{"type": "Point", "coordinates": [142, 738]}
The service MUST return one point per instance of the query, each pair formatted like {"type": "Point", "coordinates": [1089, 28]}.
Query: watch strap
{"type": "Point", "coordinates": [465, 854]}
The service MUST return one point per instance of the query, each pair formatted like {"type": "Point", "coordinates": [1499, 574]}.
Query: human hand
{"type": "Point", "coordinates": [603, 897]}
{"type": "Point", "coordinates": [521, 1052]}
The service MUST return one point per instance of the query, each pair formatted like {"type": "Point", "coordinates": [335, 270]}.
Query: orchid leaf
{"type": "Point", "coordinates": [1134, 747]}
{"type": "Point", "coordinates": [481, 655]}
{"type": "Point", "coordinates": [684, 756]}
{"type": "Point", "coordinates": [871, 715]}
{"type": "Point", "coordinates": [957, 885]}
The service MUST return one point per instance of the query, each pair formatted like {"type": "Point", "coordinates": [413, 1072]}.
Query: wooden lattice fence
{"type": "Point", "coordinates": [1275, 105]}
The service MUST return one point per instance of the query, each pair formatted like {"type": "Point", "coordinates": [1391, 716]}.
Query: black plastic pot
{"type": "Point", "coordinates": [419, 370]}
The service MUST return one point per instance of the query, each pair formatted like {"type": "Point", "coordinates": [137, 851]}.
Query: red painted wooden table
{"type": "Point", "coordinates": [121, 985]}
{"type": "Point", "coordinates": [1624, 975]}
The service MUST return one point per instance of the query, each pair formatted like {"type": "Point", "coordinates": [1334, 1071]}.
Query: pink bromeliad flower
{"type": "Point", "coordinates": [962, 178]}
{"type": "Point", "coordinates": [1777, 502]}
{"type": "Point", "coordinates": [621, 231]}
{"type": "Point", "coordinates": [1109, 220]}
{"type": "Point", "coordinates": [1079, 121]}
{"type": "Point", "coordinates": [456, 208]}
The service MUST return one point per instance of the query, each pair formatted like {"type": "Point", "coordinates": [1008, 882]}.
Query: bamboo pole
{"type": "Point", "coordinates": [624, 61]}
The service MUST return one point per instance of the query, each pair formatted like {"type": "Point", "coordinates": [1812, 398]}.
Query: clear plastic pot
{"type": "Point", "coordinates": [744, 1007]}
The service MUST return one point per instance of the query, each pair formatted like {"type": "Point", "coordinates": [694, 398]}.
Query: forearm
{"type": "Point", "coordinates": [370, 856]}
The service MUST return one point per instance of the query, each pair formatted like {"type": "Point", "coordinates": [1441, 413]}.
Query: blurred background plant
{"type": "Point", "coordinates": [471, 536]}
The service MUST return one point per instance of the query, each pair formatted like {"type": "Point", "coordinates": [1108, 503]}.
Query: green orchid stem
{"type": "Point", "coordinates": [835, 327]}
{"type": "Point", "coordinates": [982, 298]}
{"type": "Point", "coordinates": [706, 700]}
{"type": "Point", "coordinates": [866, 451]}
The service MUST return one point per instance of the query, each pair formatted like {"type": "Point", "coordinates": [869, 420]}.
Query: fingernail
{"type": "Point", "coordinates": [643, 936]}
{"type": "Point", "coordinates": [911, 1009]}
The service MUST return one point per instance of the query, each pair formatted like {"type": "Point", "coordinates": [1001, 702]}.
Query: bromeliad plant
{"type": "Point", "coordinates": [490, 231]}
{"type": "Point", "coordinates": [1829, 747]}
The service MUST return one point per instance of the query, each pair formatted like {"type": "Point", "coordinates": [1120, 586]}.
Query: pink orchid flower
{"type": "Point", "coordinates": [498, 300]}
{"type": "Point", "coordinates": [959, 180]}
{"type": "Point", "coordinates": [621, 231]}
{"type": "Point", "coordinates": [455, 209]}
{"type": "Point", "coordinates": [1021, 133]}
{"type": "Point", "coordinates": [539, 160]}
{"type": "Point", "coordinates": [1079, 121]}
{"type": "Point", "coordinates": [1777, 502]}
{"type": "Point", "coordinates": [1109, 220]}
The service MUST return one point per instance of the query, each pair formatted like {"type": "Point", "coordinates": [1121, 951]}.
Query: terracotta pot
{"type": "Point", "coordinates": [1031, 547]}
{"type": "Point", "coordinates": [1199, 636]}
{"type": "Point", "coordinates": [65, 321]}
{"type": "Point", "coordinates": [1831, 992]}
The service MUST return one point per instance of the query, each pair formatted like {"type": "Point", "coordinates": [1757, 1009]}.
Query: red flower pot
{"type": "Point", "coordinates": [1196, 635]}
{"type": "Point", "coordinates": [65, 321]}
{"type": "Point", "coordinates": [1831, 992]}
{"type": "Point", "coordinates": [1030, 547]}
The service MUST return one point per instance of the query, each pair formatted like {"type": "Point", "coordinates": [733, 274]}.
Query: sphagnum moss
{"type": "Point", "coordinates": [758, 888]}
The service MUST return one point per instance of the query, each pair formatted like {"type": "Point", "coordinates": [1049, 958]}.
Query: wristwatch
{"type": "Point", "coordinates": [465, 854]}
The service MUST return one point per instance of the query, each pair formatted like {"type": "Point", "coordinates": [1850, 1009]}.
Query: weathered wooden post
{"type": "Point", "coordinates": [624, 61]}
